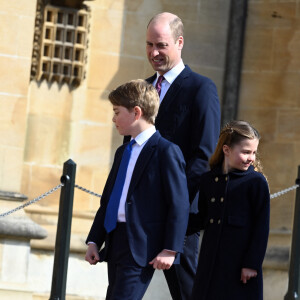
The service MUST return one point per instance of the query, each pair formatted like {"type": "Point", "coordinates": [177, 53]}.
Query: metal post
{"type": "Point", "coordinates": [62, 244]}
{"type": "Point", "coordinates": [294, 270]}
{"type": "Point", "coordinates": [234, 56]}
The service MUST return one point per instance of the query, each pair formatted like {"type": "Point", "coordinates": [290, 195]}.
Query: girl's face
{"type": "Point", "coordinates": [241, 155]}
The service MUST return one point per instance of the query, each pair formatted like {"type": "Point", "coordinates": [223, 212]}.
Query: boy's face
{"type": "Point", "coordinates": [123, 119]}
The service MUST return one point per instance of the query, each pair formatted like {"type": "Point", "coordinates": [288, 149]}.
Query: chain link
{"type": "Point", "coordinates": [272, 196]}
{"type": "Point", "coordinates": [87, 191]}
{"type": "Point", "coordinates": [32, 201]}
{"type": "Point", "coordinates": [284, 191]}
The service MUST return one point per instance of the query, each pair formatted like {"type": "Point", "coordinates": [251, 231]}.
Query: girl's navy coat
{"type": "Point", "coordinates": [234, 210]}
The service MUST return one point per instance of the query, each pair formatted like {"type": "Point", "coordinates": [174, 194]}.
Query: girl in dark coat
{"type": "Point", "coordinates": [234, 210]}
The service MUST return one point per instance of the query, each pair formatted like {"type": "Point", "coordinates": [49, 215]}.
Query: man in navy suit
{"type": "Point", "coordinates": [189, 116]}
{"type": "Point", "coordinates": [152, 210]}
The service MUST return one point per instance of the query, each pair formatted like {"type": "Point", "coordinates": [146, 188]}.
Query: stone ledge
{"type": "Point", "coordinates": [277, 258]}
{"type": "Point", "coordinates": [12, 196]}
{"type": "Point", "coordinates": [21, 227]}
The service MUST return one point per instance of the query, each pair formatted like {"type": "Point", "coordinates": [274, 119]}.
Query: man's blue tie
{"type": "Point", "coordinates": [110, 221]}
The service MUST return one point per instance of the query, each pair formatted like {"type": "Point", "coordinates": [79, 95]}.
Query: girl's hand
{"type": "Point", "coordinates": [246, 274]}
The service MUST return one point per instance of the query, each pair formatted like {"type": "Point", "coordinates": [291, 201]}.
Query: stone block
{"type": "Point", "coordinates": [39, 179]}
{"type": "Point", "coordinates": [275, 284]}
{"type": "Point", "coordinates": [99, 179]}
{"type": "Point", "coordinates": [26, 178]}
{"type": "Point", "coordinates": [15, 257]}
{"type": "Point", "coordinates": [108, 26]}
{"type": "Point", "coordinates": [97, 107]}
{"type": "Point", "coordinates": [1, 255]}
{"type": "Point", "coordinates": [199, 11]}
{"type": "Point", "coordinates": [270, 90]}
{"type": "Point", "coordinates": [205, 44]}
{"type": "Point", "coordinates": [257, 56]}
{"type": "Point", "coordinates": [13, 120]}
{"type": "Point", "coordinates": [20, 8]}
{"type": "Point", "coordinates": [9, 47]}
{"type": "Point", "coordinates": [16, 76]}
{"type": "Point", "coordinates": [147, 69]}
{"type": "Point", "coordinates": [282, 237]}
{"type": "Point", "coordinates": [134, 35]}
{"type": "Point", "coordinates": [109, 71]}
{"type": "Point", "coordinates": [11, 168]}
{"type": "Point", "coordinates": [280, 163]}
{"type": "Point", "coordinates": [24, 35]}
{"type": "Point", "coordinates": [286, 49]}
{"type": "Point", "coordinates": [280, 166]}
{"type": "Point", "coordinates": [215, 74]}
{"type": "Point", "coordinates": [50, 101]}
{"type": "Point", "coordinates": [281, 216]}
{"type": "Point", "coordinates": [142, 6]}
{"type": "Point", "coordinates": [7, 294]}
{"type": "Point", "coordinates": [264, 120]}
{"type": "Point", "coordinates": [107, 5]}
{"type": "Point", "coordinates": [271, 14]}
{"type": "Point", "coordinates": [47, 140]}
{"type": "Point", "coordinates": [93, 144]}
{"type": "Point", "coordinates": [84, 178]}
{"type": "Point", "coordinates": [288, 125]}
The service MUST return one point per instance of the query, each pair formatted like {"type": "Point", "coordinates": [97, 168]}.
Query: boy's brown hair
{"type": "Point", "coordinates": [139, 93]}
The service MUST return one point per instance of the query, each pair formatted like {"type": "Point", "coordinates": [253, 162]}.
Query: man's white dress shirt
{"type": "Point", "coordinates": [170, 76]}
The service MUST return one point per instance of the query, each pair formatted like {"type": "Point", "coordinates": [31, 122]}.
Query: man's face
{"type": "Point", "coordinates": [162, 51]}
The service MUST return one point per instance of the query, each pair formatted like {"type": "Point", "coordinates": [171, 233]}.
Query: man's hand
{"type": "Point", "coordinates": [247, 274]}
{"type": "Point", "coordinates": [164, 260]}
{"type": "Point", "coordinates": [92, 255]}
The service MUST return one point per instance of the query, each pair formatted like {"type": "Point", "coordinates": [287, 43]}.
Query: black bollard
{"type": "Point", "coordinates": [62, 244]}
{"type": "Point", "coordinates": [293, 292]}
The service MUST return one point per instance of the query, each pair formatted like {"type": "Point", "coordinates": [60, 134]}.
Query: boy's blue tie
{"type": "Point", "coordinates": [110, 221]}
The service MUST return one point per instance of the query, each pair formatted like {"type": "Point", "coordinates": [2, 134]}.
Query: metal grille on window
{"type": "Point", "coordinates": [60, 45]}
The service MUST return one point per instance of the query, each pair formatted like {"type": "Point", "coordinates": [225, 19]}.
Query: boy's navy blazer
{"type": "Point", "coordinates": [157, 203]}
{"type": "Point", "coordinates": [189, 116]}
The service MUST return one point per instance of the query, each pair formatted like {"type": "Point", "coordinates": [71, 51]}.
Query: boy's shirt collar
{"type": "Point", "coordinates": [145, 135]}
{"type": "Point", "coordinates": [171, 75]}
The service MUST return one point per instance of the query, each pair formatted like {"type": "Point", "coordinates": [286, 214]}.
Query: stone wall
{"type": "Point", "coordinates": [43, 125]}
{"type": "Point", "coordinates": [270, 93]}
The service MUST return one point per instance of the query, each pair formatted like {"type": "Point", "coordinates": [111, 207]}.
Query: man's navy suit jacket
{"type": "Point", "coordinates": [157, 203]}
{"type": "Point", "coordinates": [189, 116]}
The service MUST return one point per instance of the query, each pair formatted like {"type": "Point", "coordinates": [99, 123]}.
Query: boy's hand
{"type": "Point", "coordinates": [92, 255]}
{"type": "Point", "coordinates": [246, 274]}
{"type": "Point", "coordinates": [164, 260]}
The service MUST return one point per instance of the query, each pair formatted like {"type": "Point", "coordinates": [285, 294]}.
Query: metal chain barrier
{"type": "Point", "coordinates": [32, 201]}
{"type": "Point", "coordinates": [272, 196]}
{"type": "Point", "coordinates": [284, 191]}
{"type": "Point", "coordinates": [87, 191]}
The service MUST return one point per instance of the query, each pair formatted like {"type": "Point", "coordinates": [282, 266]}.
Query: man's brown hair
{"type": "Point", "coordinates": [175, 24]}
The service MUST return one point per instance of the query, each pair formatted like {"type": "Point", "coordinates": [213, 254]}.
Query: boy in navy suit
{"type": "Point", "coordinates": [144, 208]}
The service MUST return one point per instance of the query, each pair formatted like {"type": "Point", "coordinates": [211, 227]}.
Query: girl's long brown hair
{"type": "Point", "coordinates": [233, 133]}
